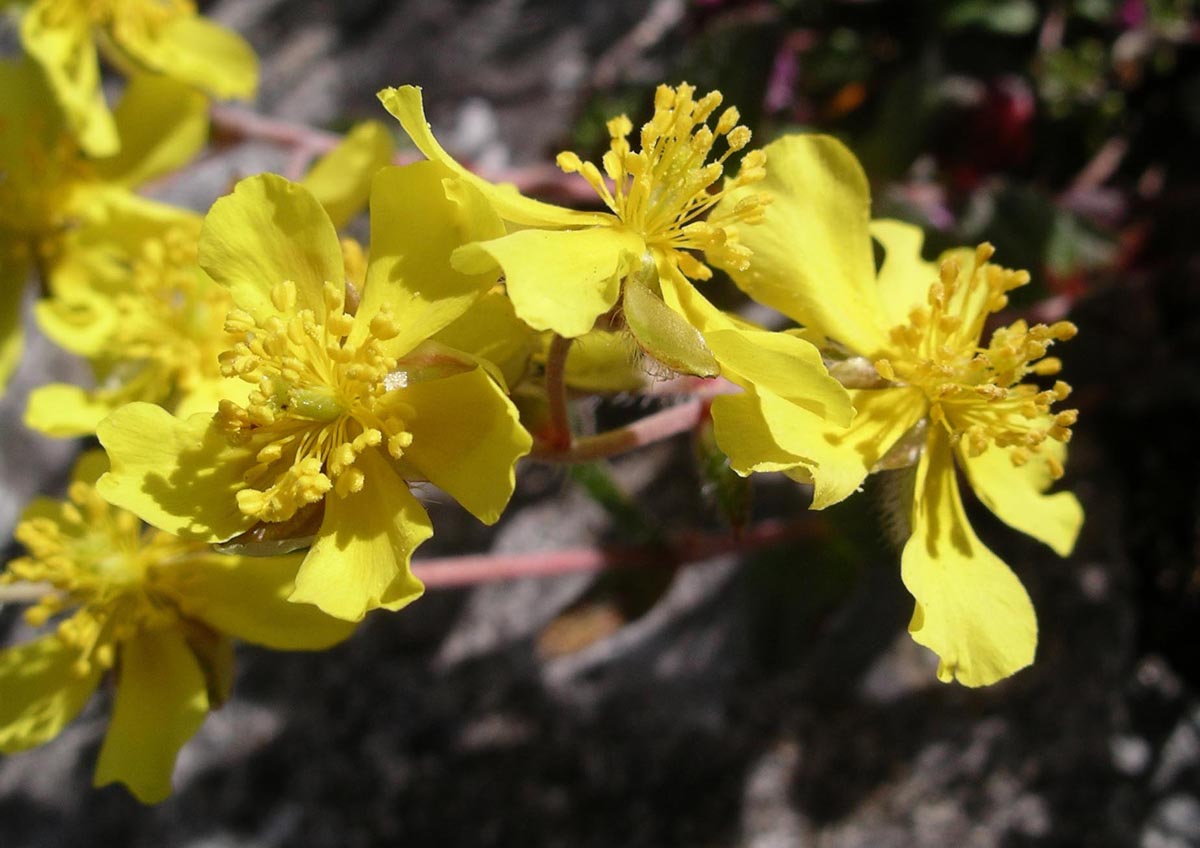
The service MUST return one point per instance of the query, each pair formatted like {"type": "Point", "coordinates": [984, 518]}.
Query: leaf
{"type": "Point", "coordinates": [664, 334]}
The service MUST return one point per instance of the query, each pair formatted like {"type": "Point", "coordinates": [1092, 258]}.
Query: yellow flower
{"type": "Point", "coordinates": [564, 269]}
{"type": "Point", "coordinates": [154, 612]}
{"type": "Point", "coordinates": [150, 322]}
{"type": "Point", "coordinates": [926, 386]}
{"type": "Point", "coordinates": [164, 37]}
{"type": "Point", "coordinates": [344, 408]}
{"type": "Point", "coordinates": [49, 191]}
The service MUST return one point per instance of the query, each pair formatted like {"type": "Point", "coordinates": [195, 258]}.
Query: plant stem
{"type": "Point", "coordinates": [653, 428]}
{"type": "Point", "coordinates": [559, 438]}
{"type": "Point", "coordinates": [683, 549]}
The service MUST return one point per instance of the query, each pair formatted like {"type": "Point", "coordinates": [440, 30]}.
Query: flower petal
{"type": "Point", "coordinates": [558, 280]}
{"type": "Point", "coordinates": [812, 255]}
{"type": "Point", "coordinates": [180, 476]}
{"type": "Point", "coordinates": [268, 231]}
{"type": "Point", "coordinates": [60, 41]}
{"type": "Point", "coordinates": [904, 277]}
{"type": "Point", "coordinates": [341, 179]}
{"type": "Point", "coordinates": [469, 456]}
{"type": "Point", "coordinates": [247, 597]}
{"type": "Point", "coordinates": [42, 693]}
{"type": "Point", "coordinates": [161, 702]}
{"type": "Point", "coordinates": [1016, 495]}
{"type": "Point", "coordinates": [783, 365]}
{"type": "Point", "coordinates": [971, 609]}
{"type": "Point", "coordinates": [198, 52]}
{"type": "Point", "coordinates": [491, 330]}
{"type": "Point", "coordinates": [162, 123]}
{"type": "Point", "coordinates": [65, 411]}
{"type": "Point", "coordinates": [405, 105]}
{"type": "Point", "coordinates": [360, 560]}
{"type": "Point", "coordinates": [741, 431]}
{"type": "Point", "coordinates": [420, 214]}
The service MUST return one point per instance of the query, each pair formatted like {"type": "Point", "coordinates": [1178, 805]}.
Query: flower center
{"type": "Point", "coordinates": [98, 561]}
{"type": "Point", "coordinates": [663, 191]}
{"type": "Point", "coordinates": [976, 392]}
{"type": "Point", "coordinates": [319, 401]}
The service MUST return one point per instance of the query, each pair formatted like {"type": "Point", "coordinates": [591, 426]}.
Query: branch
{"type": "Point", "coordinates": [653, 428]}
{"type": "Point", "coordinates": [683, 549]}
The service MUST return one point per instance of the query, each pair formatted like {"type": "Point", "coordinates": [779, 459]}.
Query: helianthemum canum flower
{"type": "Point", "coordinates": [149, 320]}
{"type": "Point", "coordinates": [164, 37]}
{"type": "Point", "coordinates": [563, 268]}
{"type": "Point", "coordinates": [153, 612]}
{"type": "Point", "coordinates": [343, 408]}
{"type": "Point", "coordinates": [50, 192]}
{"type": "Point", "coordinates": [928, 389]}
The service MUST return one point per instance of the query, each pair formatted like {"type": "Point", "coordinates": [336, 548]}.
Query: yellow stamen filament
{"type": "Point", "coordinates": [664, 191]}
{"type": "Point", "coordinates": [977, 393]}
{"type": "Point", "coordinates": [319, 401]}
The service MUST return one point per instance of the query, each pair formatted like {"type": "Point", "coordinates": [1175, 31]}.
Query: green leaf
{"type": "Point", "coordinates": [664, 334]}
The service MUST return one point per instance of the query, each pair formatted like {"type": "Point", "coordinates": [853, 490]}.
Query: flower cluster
{"type": "Point", "coordinates": [268, 391]}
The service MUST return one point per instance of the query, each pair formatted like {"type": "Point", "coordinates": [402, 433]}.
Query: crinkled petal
{"type": "Point", "coordinates": [904, 277]}
{"type": "Point", "coordinates": [420, 214]}
{"type": "Point", "coordinates": [360, 560]}
{"type": "Point", "coordinates": [198, 52]}
{"type": "Point", "coordinates": [812, 254]}
{"type": "Point", "coordinates": [62, 45]}
{"type": "Point", "coordinates": [42, 692]}
{"type": "Point", "coordinates": [163, 125]}
{"type": "Point", "coordinates": [247, 597]}
{"type": "Point", "coordinates": [1017, 495]}
{"type": "Point", "coordinates": [180, 476]}
{"type": "Point", "coordinates": [268, 231]}
{"type": "Point", "coordinates": [469, 456]}
{"type": "Point", "coordinates": [65, 411]}
{"type": "Point", "coordinates": [783, 365]}
{"type": "Point", "coordinates": [971, 609]}
{"type": "Point", "coordinates": [341, 179]}
{"type": "Point", "coordinates": [405, 105]}
{"type": "Point", "coordinates": [559, 280]}
{"type": "Point", "coordinates": [161, 702]}
{"type": "Point", "coordinates": [491, 330]}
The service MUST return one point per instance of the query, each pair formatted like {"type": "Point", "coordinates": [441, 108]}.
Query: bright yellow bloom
{"type": "Point", "coordinates": [344, 408]}
{"type": "Point", "coordinates": [164, 37]}
{"type": "Point", "coordinates": [50, 193]}
{"type": "Point", "coordinates": [564, 269]}
{"type": "Point", "coordinates": [927, 387]}
{"type": "Point", "coordinates": [150, 322]}
{"type": "Point", "coordinates": [153, 611]}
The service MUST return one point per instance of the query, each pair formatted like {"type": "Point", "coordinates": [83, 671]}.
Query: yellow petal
{"type": "Point", "coordinates": [604, 362]}
{"type": "Point", "coordinates": [42, 693]}
{"type": "Point", "coordinates": [971, 609]}
{"type": "Point", "coordinates": [268, 231]}
{"type": "Point", "coordinates": [419, 215]}
{"type": "Point", "coordinates": [180, 476]}
{"type": "Point", "coordinates": [904, 277]}
{"type": "Point", "coordinates": [405, 105]}
{"type": "Point", "coordinates": [559, 280]}
{"type": "Point", "coordinates": [198, 52]}
{"type": "Point", "coordinates": [65, 411]}
{"type": "Point", "coordinates": [812, 254]}
{"type": "Point", "coordinates": [161, 703]}
{"type": "Point", "coordinates": [341, 179]}
{"type": "Point", "coordinates": [60, 41]}
{"type": "Point", "coordinates": [13, 274]}
{"type": "Point", "coordinates": [785, 366]}
{"type": "Point", "coordinates": [469, 456]}
{"type": "Point", "coordinates": [163, 125]}
{"type": "Point", "coordinates": [82, 323]}
{"type": "Point", "coordinates": [360, 560]}
{"type": "Point", "coordinates": [491, 330]}
{"type": "Point", "coordinates": [741, 431]}
{"type": "Point", "coordinates": [1016, 495]}
{"type": "Point", "coordinates": [247, 597]}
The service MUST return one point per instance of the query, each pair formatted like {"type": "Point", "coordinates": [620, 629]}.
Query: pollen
{"type": "Point", "coordinates": [319, 401]}
{"type": "Point", "coordinates": [981, 395]}
{"type": "Point", "coordinates": [666, 190]}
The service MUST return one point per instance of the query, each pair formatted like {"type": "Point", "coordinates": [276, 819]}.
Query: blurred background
{"type": "Point", "coordinates": [771, 699]}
